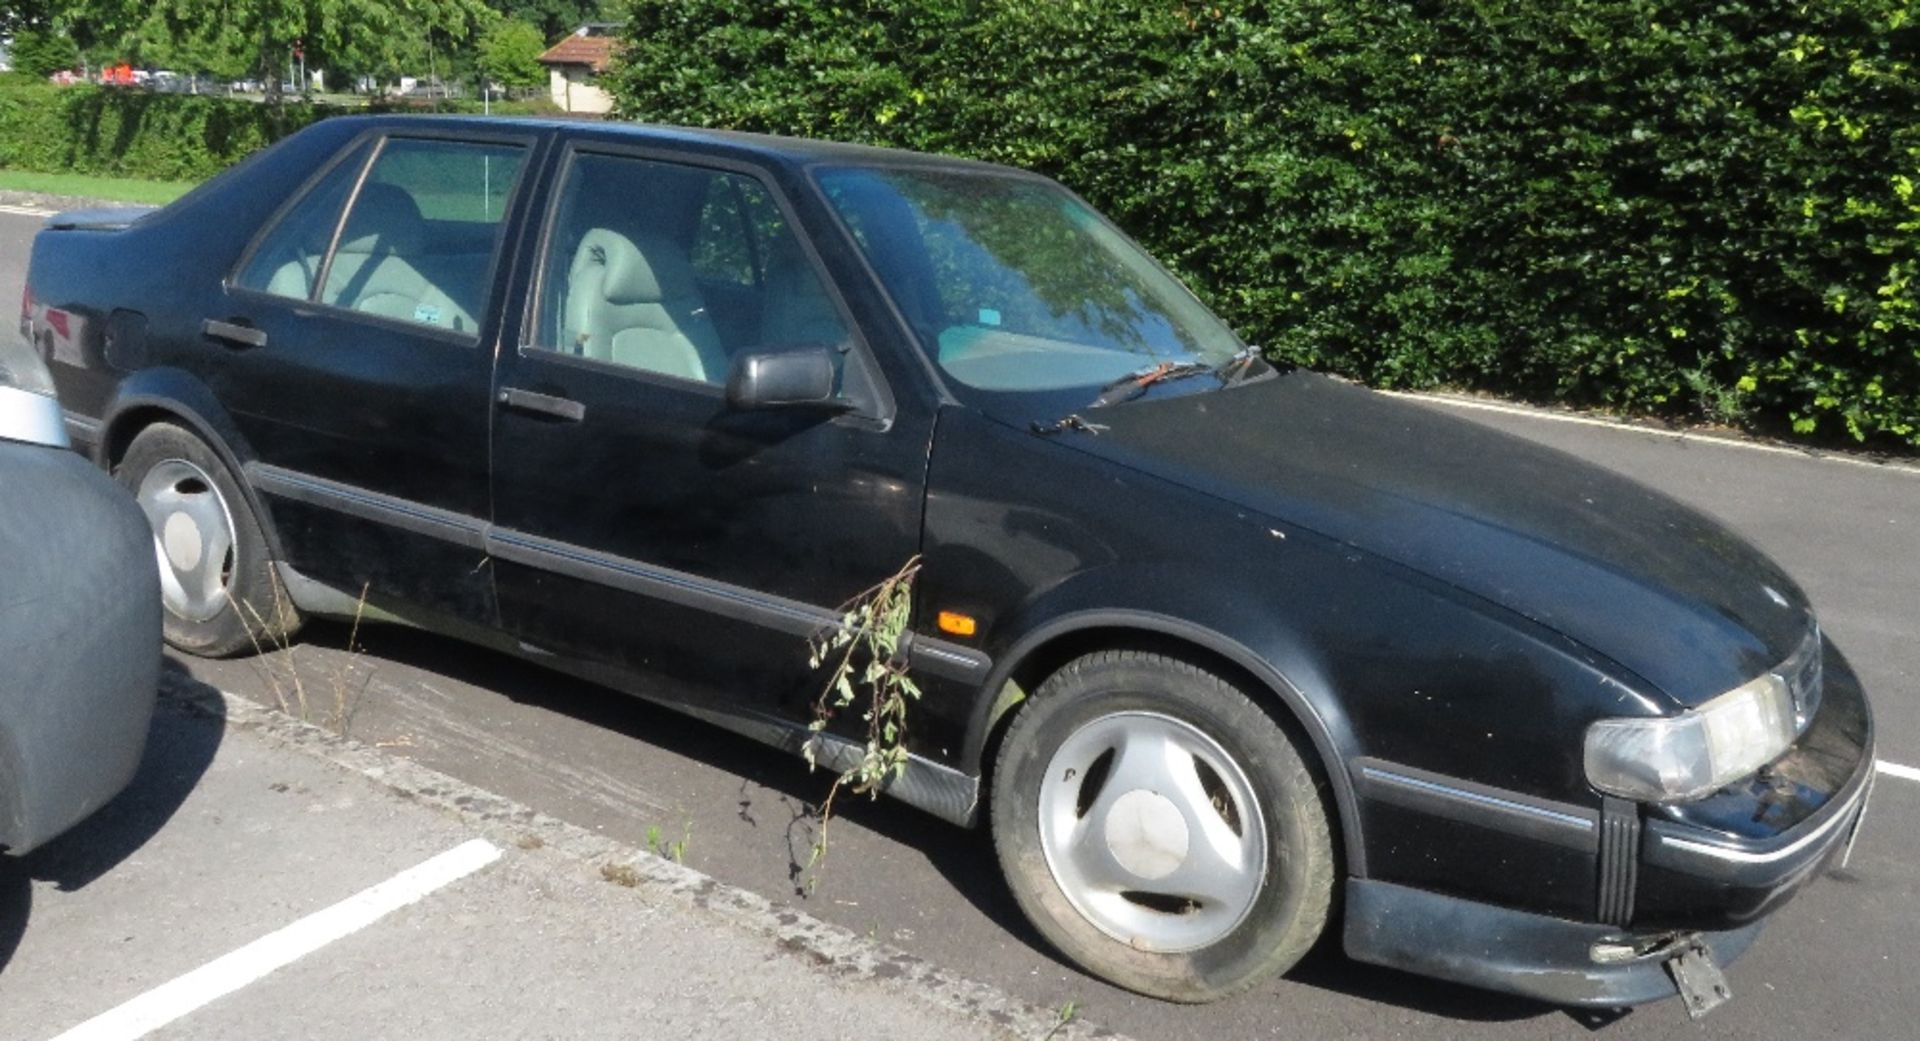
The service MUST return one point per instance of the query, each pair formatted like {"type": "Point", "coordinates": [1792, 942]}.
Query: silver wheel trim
{"type": "Point", "coordinates": [1155, 862]}
{"type": "Point", "coordinates": [193, 539]}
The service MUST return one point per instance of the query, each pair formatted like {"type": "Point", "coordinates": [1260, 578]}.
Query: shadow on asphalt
{"type": "Point", "coordinates": [180, 746]}
{"type": "Point", "coordinates": [1326, 968]}
{"type": "Point", "coordinates": [964, 859]}
{"type": "Point", "coordinates": [790, 789]}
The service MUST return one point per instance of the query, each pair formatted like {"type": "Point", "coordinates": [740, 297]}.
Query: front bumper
{"type": "Point", "coordinates": [1737, 856]}
{"type": "Point", "coordinates": [1518, 952]}
{"type": "Point", "coordinates": [1716, 868]}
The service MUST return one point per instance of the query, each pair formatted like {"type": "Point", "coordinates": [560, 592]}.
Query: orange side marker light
{"type": "Point", "coordinates": [958, 624]}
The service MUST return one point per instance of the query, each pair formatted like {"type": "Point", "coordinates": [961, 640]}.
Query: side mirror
{"type": "Point", "coordinates": [801, 378]}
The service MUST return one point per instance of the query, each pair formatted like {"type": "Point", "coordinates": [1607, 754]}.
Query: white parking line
{"type": "Point", "coordinates": [228, 973]}
{"type": "Point", "coordinates": [1905, 773]}
{"type": "Point", "coordinates": [25, 211]}
{"type": "Point", "coordinates": [1682, 435]}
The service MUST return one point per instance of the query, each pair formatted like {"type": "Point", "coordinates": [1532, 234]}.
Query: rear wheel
{"type": "Point", "coordinates": [1160, 829]}
{"type": "Point", "coordinates": [216, 576]}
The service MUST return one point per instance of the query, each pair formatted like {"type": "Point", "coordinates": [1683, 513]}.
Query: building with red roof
{"type": "Point", "coordinates": [575, 65]}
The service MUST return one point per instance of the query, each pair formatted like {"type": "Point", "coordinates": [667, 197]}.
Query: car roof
{"type": "Point", "coordinates": [766, 148]}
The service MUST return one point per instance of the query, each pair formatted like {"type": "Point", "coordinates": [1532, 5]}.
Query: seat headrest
{"type": "Point", "coordinates": [384, 218]}
{"type": "Point", "coordinates": [648, 272]}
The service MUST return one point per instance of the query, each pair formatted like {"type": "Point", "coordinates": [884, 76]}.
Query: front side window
{"type": "Point", "coordinates": [675, 270]}
{"type": "Point", "coordinates": [287, 262]}
{"type": "Point", "coordinates": [419, 241]}
{"type": "Point", "coordinates": [1013, 285]}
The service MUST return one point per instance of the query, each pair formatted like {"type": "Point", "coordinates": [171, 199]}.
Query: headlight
{"type": "Point", "coordinates": [1676, 758]}
{"type": "Point", "coordinates": [28, 411]}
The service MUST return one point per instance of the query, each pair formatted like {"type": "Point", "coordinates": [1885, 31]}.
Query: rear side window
{"type": "Point", "coordinates": [288, 260]}
{"type": "Point", "coordinates": [419, 240]}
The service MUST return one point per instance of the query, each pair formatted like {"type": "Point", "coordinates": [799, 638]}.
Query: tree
{"type": "Point", "coordinates": [234, 38]}
{"type": "Point", "coordinates": [17, 15]}
{"type": "Point", "coordinates": [510, 54]}
{"type": "Point", "coordinates": [43, 52]}
{"type": "Point", "coordinates": [554, 18]}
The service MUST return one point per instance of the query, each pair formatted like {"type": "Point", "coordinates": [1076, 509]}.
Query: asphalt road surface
{"type": "Point", "coordinates": [1835, 963]}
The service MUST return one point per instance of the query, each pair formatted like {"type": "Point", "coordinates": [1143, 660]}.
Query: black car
{"type": "Point", "coordinates": [1214, 647]}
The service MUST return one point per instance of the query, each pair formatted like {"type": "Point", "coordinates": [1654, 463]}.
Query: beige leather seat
{"type": "Point", "coordinates": [377, 266]}
{"type": "Point", "coordinates": [634, 303]}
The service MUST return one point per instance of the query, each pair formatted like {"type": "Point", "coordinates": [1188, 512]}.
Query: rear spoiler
{"type": "Point", "coordinates": [110, 219]}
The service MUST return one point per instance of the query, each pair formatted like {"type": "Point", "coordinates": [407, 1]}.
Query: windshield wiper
{"type": "Point", "coordinates": [1242, 365]}
{"type": "Point", "coordinates": [1075, 421]}
{"type": "Point", "coordinates": [1135, 383]}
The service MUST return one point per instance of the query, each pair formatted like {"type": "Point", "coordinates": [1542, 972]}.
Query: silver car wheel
{"type": "Point", "coordinates": [193, 538]}
{"type": "Point", "coordinates": [1152, 832]}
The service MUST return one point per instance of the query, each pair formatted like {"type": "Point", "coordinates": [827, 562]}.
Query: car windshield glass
{"type": "Point", "coordinates": [1016, 287]}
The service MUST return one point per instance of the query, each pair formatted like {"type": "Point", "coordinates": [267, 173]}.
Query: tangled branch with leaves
{"type": "Point", "coordinates": [864, 651]}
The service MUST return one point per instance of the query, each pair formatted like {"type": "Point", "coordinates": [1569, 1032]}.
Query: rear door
{"type": "Point", "coordinates": [640, 524]}
{"type": "Point", "coordinates": [350, 353]}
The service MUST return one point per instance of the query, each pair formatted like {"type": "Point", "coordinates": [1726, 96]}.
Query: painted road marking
{"type": "Point", "coordinates": [25, 211]}
{"type": "Point", "coordinates": [230, 972]}
{"type": "Point", "coordinates": [1683, 435]}
{"type": "Point", "coordinates": [1905, 773]}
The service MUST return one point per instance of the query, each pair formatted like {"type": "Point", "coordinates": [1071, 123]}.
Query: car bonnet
{"type": "Point", "coordinates": [1632, 574]}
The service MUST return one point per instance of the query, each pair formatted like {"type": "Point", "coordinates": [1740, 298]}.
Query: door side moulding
{"type": "Point", "coordinates": [405, 514]}
{"type": "Point", "coordinates": [778, 613]}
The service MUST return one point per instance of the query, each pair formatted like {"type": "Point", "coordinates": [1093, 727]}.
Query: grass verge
{"type": "Point", "coordinates": [89, 186]}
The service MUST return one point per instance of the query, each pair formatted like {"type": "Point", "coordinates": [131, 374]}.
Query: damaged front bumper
{"type": "Point", "coordinates": [1517, 952]}
{"type": "Point", "coordinates": [1708, 874]}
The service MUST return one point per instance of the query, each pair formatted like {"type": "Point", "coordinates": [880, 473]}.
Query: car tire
{"type": "Point", "coordinates": [221, 593]}
{"type": "Point", "coordinates": [1160, 829]}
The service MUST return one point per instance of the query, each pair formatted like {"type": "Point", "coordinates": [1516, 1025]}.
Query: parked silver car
{"type": "Point", "coordinates": [79, 614]}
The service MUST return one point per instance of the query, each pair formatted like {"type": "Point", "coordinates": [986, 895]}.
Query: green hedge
{"type": "Point", "coordinates": [171, 137]}
{"type": "Point", "coordinates": [1686, 208]}
{"type": "Point", "coordinates": [134, 133]}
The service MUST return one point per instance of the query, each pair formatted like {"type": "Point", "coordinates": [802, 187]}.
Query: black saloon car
{"type": "Point", "coordinates": [1214, 648]}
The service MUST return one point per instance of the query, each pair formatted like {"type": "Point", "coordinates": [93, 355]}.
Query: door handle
{"type": "Point", "coordinates": [233, 334]}
{"type": "Point", "coordinates": [543, 404]}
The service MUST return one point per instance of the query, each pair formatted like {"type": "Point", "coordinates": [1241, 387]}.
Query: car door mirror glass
{"type": "Point", "coordinates": [798, 377]}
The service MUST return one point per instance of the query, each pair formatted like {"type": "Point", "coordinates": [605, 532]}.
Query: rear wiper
{"type": "Point", "coordinates": [1134, 384]}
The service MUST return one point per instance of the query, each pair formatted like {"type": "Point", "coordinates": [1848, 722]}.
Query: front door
{"type": "Point", "coordinates": [348, 348]}
{"type": "Point", "coordinates": [640, 524]}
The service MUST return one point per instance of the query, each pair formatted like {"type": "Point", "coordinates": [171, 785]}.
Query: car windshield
{"type": "Point", "coordinates": [1016, 288]}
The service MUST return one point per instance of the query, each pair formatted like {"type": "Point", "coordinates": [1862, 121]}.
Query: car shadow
{"type": "Point", "coordinates": [180, 746]}
{"type": "Point", "coordinates": [1328, 968]}
{"type": "Point", "coordinates": [789, 789]}
{"type": "Point", "coordinates": [789, 792]}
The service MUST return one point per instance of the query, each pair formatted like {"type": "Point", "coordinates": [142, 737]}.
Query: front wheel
{"type": "Point", "coordinates": [1160, 829]}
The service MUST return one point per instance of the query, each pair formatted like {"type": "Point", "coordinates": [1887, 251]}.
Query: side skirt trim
{"type": "Point", "coordinates": [941, 790]}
